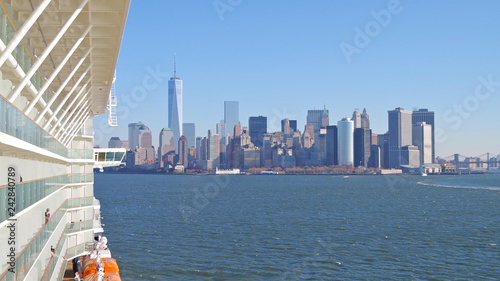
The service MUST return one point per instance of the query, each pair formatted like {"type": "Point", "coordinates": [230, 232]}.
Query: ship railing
{"type": "Point", "coordinates": [53, 260]}
{"type": "Point", "coordinates": [16, 124]}
{"type": "Point", "coordinates": [79, 226]}
{"type": "Point", "coordinates": [30, 192]}
{"type": "Point", "coordinates": [30, 252]}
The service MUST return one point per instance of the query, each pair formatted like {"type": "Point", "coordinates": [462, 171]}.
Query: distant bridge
{"type": "Point", "coordinates": [466, 162]}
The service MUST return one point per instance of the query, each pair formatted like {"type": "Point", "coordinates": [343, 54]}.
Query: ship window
{"type": "Point", "coordinates": [102, 155]}
{"type": "Point", "coordinates": [95, 156]}
{"type": "Point", "coordinates": [110, 156]}
{"type": "Point", "coordinates": [119, 156]}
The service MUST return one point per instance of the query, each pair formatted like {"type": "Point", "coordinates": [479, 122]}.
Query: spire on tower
{"type": "Point", "coordinates": [175, 65]}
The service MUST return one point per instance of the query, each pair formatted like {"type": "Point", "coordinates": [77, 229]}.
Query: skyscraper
{"type": "Point", "coordinates": [220, 129]}
{"type": "Point", "coordinates": [145, 137]}
{"type": "Point", "coordinates": [410, 156]}
{"type": "Point", "coordinates": [424, 115]}
{"type": "Point", "coordinates": [288, 127]}
{"type": "Point", "coordinates": [133, 134]}
{"type": "Point", "coordinates": [237, 130]}
{"type": "Point", "coordinates": [183, 151]}
{"type": "Point", "coordinates": [375, 157]}
{"type": "Point", "coordinates": [422, 138]}
{"type": "Point", "coordinates": [213, 150]}
{"type": "Point", "coordinates": [332, 152]}
{"type": "Point", "coordinates": [400, 135]}
{"type": "Point", "coordinates": [257, 129]}
{"type": "Point", "coordinates": [285, 126]}
{"type": "Point", "coordinates": [345, 141]}
{"type": "Point", "coordinates": [231, 115]}
{"type": "Point", "coordinates": [198, 147]}
{"type": "Point", "coordinates": [166, 145]}
{"type": "Point", "coordinates": [175, 105]}
{"type": "Point", "coordinates": [318, 118]}
{"type": "Point", "coordinates": [308, 136]}
{"type": "Point", "coordinates": [365, 120]}
{"type": "Point", "coordinates": [293, 126]}
{"type": "Point", "coordinates": [189, 131]}
{"type": "Point", "coordinates": [114, 142]}
{"type": "Point", "coordinates": [356, 118]}
{"type": "Point", "coordinates": [362, 146]}
{"type": "Point", "coordinates": [145, 150]}
{"type": "Point", "coordinates": [202, 154]}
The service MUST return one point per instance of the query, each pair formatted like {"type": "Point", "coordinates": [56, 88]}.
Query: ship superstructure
{"type": "Point", "coordinates": [57, 63]}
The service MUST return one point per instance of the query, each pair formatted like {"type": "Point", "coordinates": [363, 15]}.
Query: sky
{"type": "Point", "coordinates": [282, 58]}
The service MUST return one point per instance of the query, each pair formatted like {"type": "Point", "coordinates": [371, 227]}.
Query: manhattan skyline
{"type": "Point", "coordinates": [279, 67]}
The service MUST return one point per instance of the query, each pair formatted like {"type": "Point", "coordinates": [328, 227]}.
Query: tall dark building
{"type": "Point", "coordinates": [183, 151]}
{"type": "Point", "coordinates": [257, 129]}
{"type": "Point", "coordinates": [385, 151]}
{"type": "Point", "coordinates": [332, 153]}
{"type": "Point", "coordinates": [424, 115]}
{"type": "Point", "coordinates": [362, 146]}
{"type": "Point", "coordinates": [375, 157]}
{"type": "Point", "coordinates": [293, 125]}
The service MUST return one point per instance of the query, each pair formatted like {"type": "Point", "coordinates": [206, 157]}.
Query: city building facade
{"type": "Point", "coordinates": [257, 126]}
{"type": "Point", "coordinates": [400, 134]}
{"type": "Point", "coordinates": [175, 106]}
{"type": "Point", "coordinates": [362, 146]}
{"type": "Point", "coordinates": [231, 115]}
{"type": "Point", "coordinates": [424, 115]}
{"type": "Point", "coordinates": [189, 131]}
{"type": "Point", "coordinates": [422, 138]}
{"type": "Point", "coordinates": [346, 141]}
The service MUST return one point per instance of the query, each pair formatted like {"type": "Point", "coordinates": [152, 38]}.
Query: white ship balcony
{"type": "Point", "coordinates": [55, 230]}
{"type": "Point", "coordinates": [59, 59]}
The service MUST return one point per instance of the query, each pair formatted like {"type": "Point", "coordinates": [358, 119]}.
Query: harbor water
{"type": "Point", "coordinates": [281, 227]}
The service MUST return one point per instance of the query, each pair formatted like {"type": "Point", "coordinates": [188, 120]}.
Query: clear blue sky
{"type": "Point", "coordinates": [281, 58]}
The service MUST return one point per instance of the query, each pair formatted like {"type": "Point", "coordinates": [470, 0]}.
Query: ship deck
{"type": "Point", "coordinates": [69, 274]}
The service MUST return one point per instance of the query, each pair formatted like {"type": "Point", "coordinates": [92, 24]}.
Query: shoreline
{"type": "Point", "coordinates": [162, 172]}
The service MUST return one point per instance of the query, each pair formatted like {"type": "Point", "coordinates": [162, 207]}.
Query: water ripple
{"type": "Point", "coordinates": [302, 227]}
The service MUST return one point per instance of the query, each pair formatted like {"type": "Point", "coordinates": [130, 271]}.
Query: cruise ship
{"type": "Point", "coordinates": [57, 65]}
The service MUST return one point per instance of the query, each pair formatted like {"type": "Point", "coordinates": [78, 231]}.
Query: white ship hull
{"type": "Point", "coordinates": [57, 61]}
